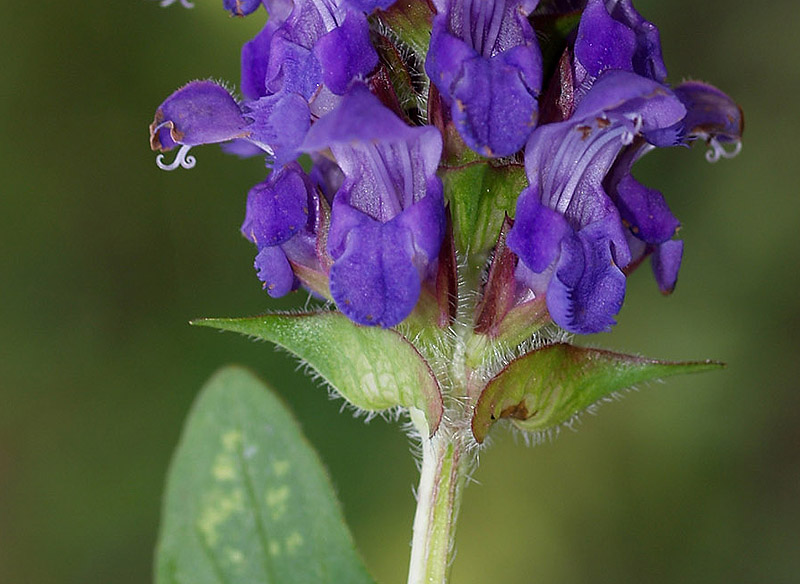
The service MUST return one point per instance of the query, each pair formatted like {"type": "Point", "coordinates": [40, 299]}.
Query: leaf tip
{"type": "Point", "coordinates": [210, 322]}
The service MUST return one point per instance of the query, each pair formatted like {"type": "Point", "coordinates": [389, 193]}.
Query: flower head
{"type": "Point", "coordinates": [366, 224]}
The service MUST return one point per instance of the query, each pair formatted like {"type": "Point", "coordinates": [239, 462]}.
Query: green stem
{"type": "Point", "coordinates": [445, 466]}
{"type": "Point", "coordinates": [447, 458]}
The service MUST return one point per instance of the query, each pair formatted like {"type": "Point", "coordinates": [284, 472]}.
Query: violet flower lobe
{"type": "Point", "coordinates": [387, 218]}
{"type": "Point", "coordinates": [241, 7]}
{"type": "Point", "coordinates": [485, 61]}
{"type": "Point", "coordinates": [281, 222]}
{"type": "Point", "coordinates": [612, 35]}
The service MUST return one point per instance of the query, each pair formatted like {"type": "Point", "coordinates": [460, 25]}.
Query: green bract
{"type": "Point", "coordinates": [548, 387]}
{"type": "Point", "coordinates": [372, 368]}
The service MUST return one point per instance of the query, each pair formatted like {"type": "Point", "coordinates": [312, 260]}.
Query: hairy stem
{"type": "Point", "coordinates": [445, 467]}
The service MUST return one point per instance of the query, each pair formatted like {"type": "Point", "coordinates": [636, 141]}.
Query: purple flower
{"type": "Point", "coordinates": [296, 67]}
{"type": "Point", "coordinates": [486, 63]}
{"type": "Point", "coordinates": [387, 218]}
{"type": "Point", "coordinates": [281, 221]}
{"type": "Point", "coordinates": [585, 222]}
{"type": "Point", "coordinates": [204, 112]}
{"type": "Point", "coordinates": [571, 232]}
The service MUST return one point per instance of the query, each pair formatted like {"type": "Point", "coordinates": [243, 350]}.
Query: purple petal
{"type": "Point", "coordinates": [346, 53]}
{"type": "Point", "coordinates": [446, 57]}
{"type": "Point", "coordinates": [425, 221]}
{"type": "Point", "coordinates": [537, 282]}
{"type": "Point", "coordinates": [710, 115]}
{"type": "Point", "coordinates": [279, 207]}
{"type": "Point", "coordinates": [602, 42]}
{"type": "Point", "coordinates": [280, 123]}
{"type": "Point", "coordinates": [588, 287]}
{"type": "Point", "coordinates": [387, 164]}
{"type": "Point", "coordinates": [242, 148]}
{"type": "Point", "coordinates": [278, 10]}
{"type": "Point", "coordinates": [568, 163]}
{"type": "Point", "coordinates": [612, 35]}
{"type": "Point", "coordinates": [275, 271]}
{"type": "Point", "coordinates": [486, 63]}
{"type": "Point", "coordinates": [292, 67]}
{"type": "Point", "coordinates": [255, 58]}
{"type": "Point", "coordinates": [626, 92]}
{"type": "Point", "coordinates": [374, 281]}
{"type": "Point", "coordinates": [639, 250]}
{"type": "Point", "coordinates": [494, 108]}
{"type": "Point", "coordinates": [326, 175]}
{"type": "Point", "coordinates": [200, 112]}
{"type": "Point", "coordinates": [645, 210]}
{"type": "Point", "coordinates": [666, 261]}
{"type": "Point", "coordinates": [537, 232]}
{"type": "Point", "coordinates": [487, 27]}
{"type": "Point", "coordinates": [241, 7]}
{"type": "Point", "coordinates": [647, 59]}
{"type": "Point", "coordinates": [710, 112]}
{"type": "Point", "coordinates": [362, 118]}
{"type": "Point", "coordinates": [344, 219]}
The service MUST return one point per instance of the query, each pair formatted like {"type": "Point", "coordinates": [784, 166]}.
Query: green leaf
{"type": "Point", "coordinates": [247, 499]}
{"type": "Point", "coordinates": [547, 387]}
{"type": "Point", "coordinates": [372, 368]}
{"type": "Point", "coordinates": [480, 196]}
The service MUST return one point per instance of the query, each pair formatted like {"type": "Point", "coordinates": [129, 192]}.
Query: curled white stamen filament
{"type": "Point", "coordinates": [184, 3]}
{"type": "Point", "coordinates": [181, 159]}
{"type": "Point", "coordinates": [717, 150]}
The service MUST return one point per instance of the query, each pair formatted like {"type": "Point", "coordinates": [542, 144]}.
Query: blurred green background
{"type": "Point", "coordinates": [104, 259]}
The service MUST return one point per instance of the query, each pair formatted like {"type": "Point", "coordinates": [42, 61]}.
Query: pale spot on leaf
{"type": "Point", "coordinates": [234, 556]}
{"type": "Point", "coordinates": [224, 468]}
{"type": "Point", "coordinates": [293, 542]}
{"type": "Point", "coordinates": [232, 440]}
{"type": "Point", "coordinates": [280, 467]}
{"type": "Point", "coordinates": [276, 501]}
{"type": "Point", "coordinates": [217, 510]}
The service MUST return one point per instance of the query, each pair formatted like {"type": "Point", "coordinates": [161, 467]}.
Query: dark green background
{"type": "Point", "coordinates": [104, 259]}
